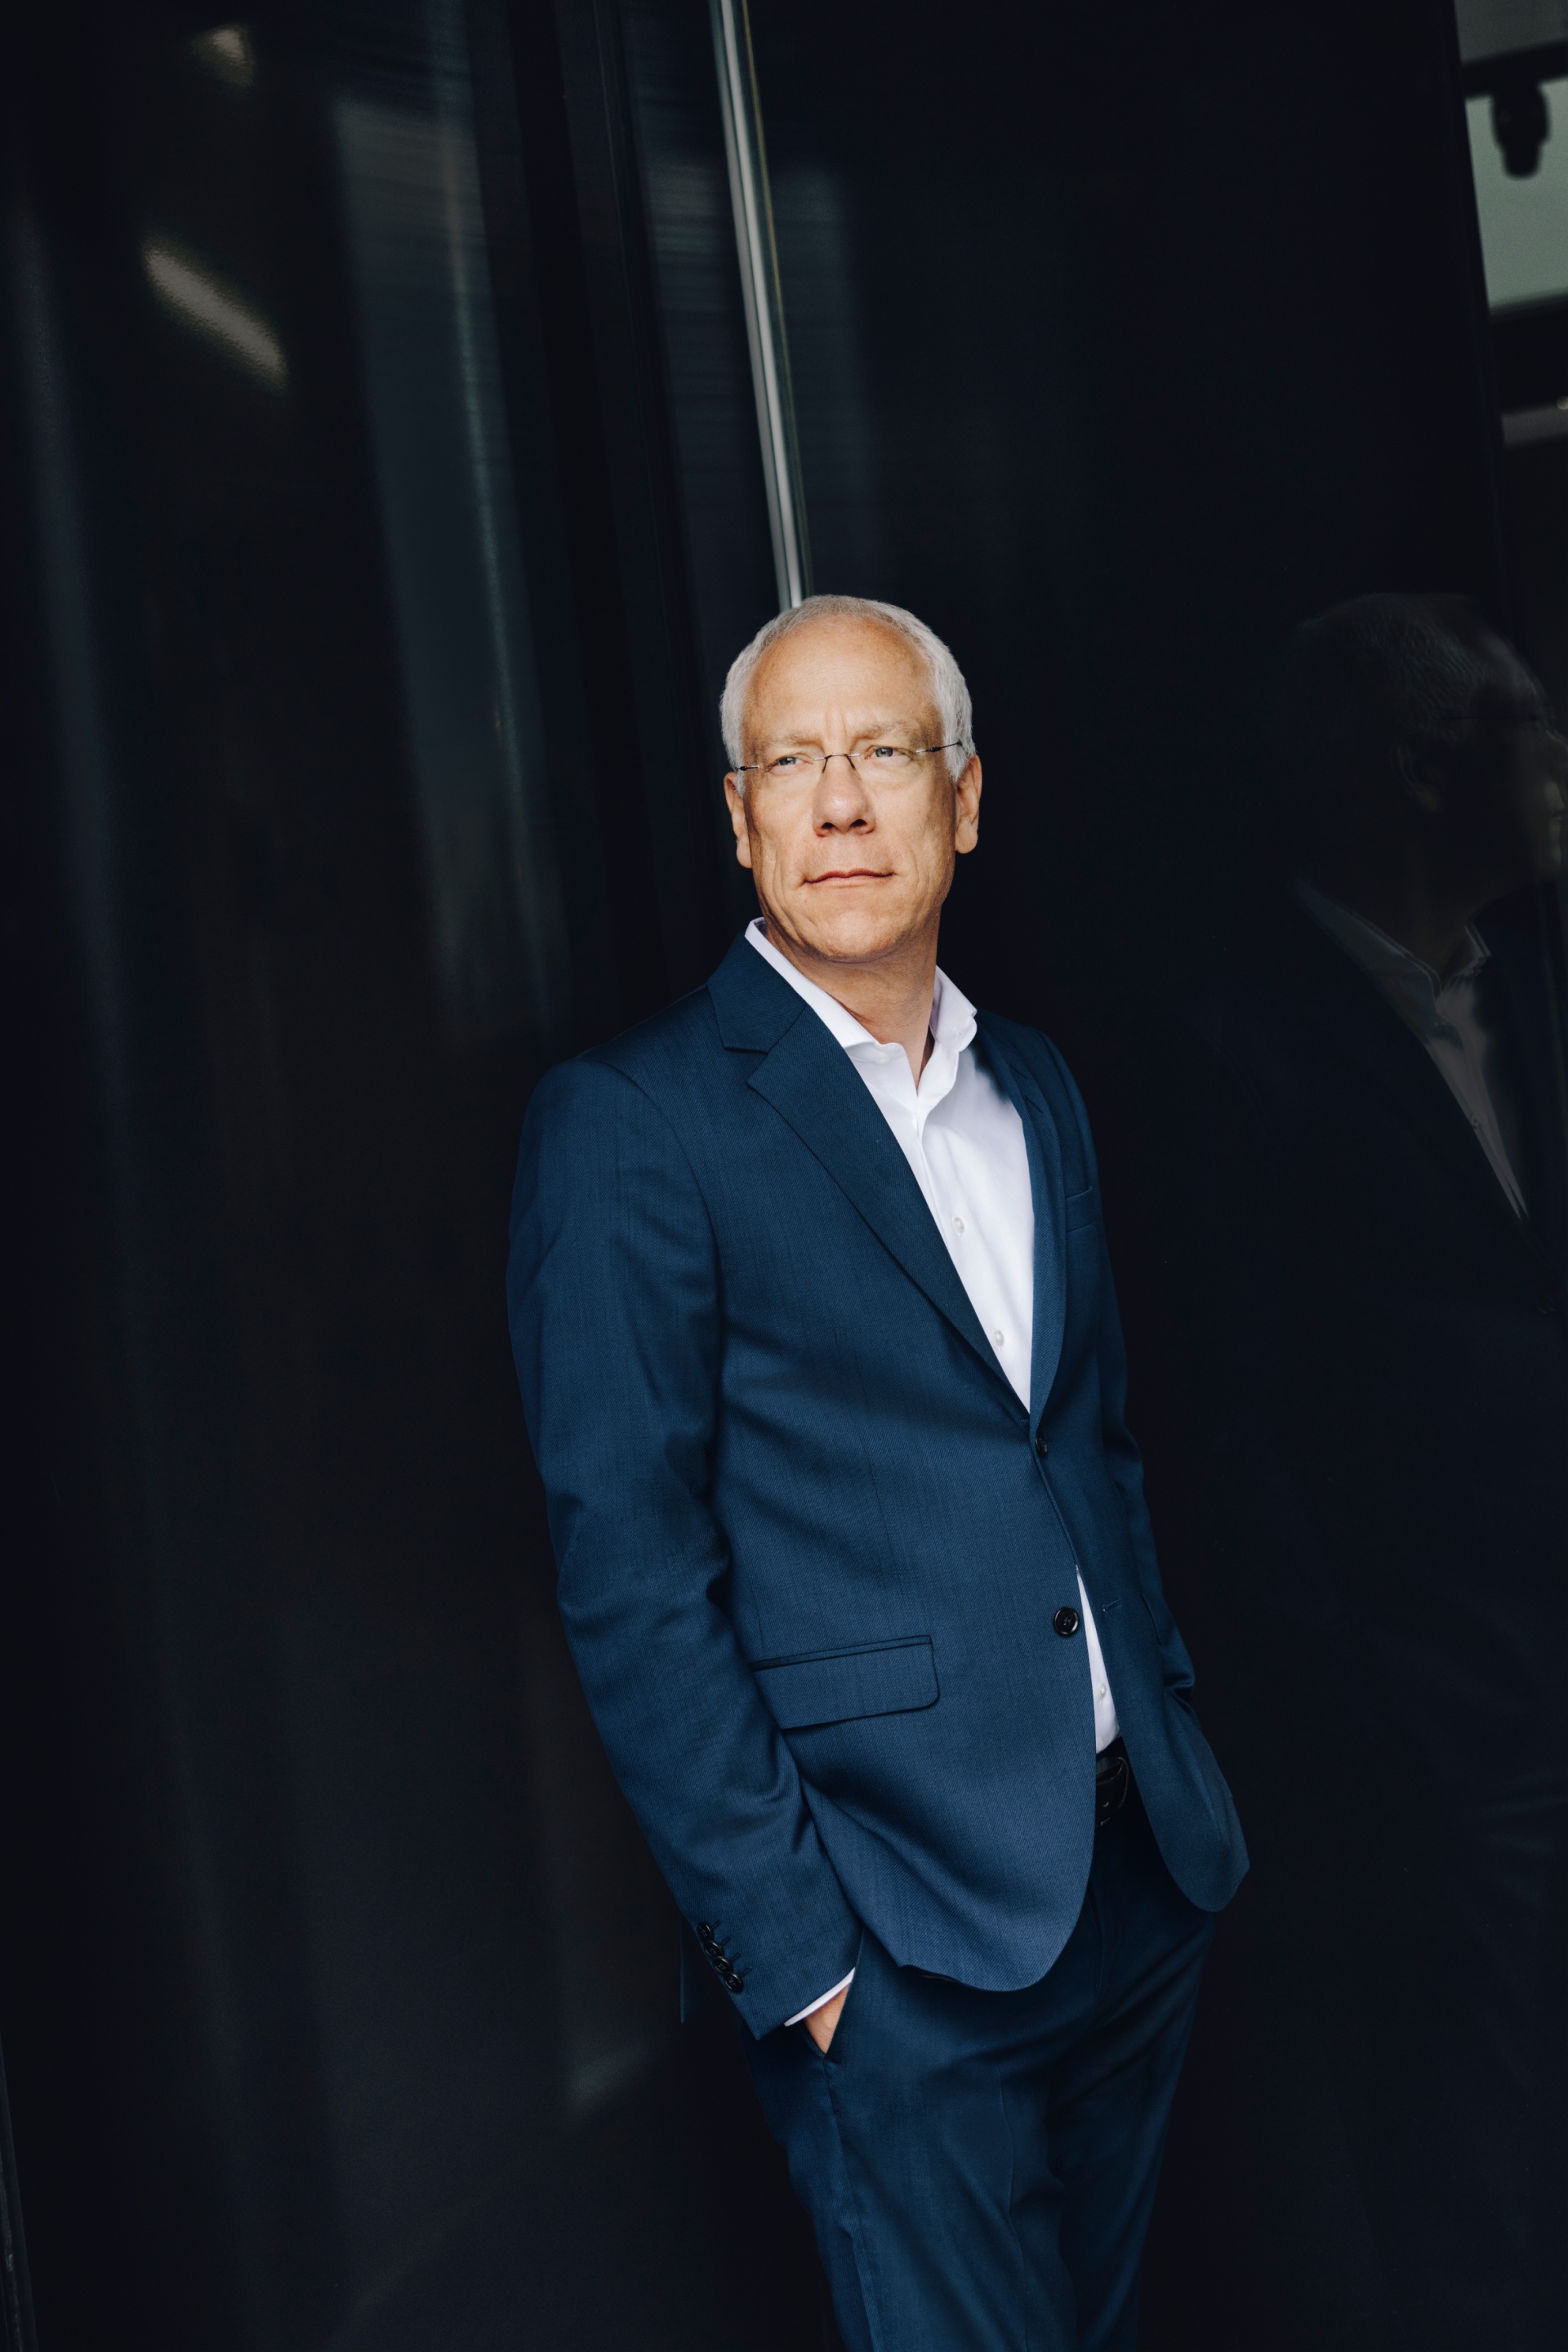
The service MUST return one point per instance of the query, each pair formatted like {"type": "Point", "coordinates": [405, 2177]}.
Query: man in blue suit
{"type": "Point", "coordinates": [824, 1378]}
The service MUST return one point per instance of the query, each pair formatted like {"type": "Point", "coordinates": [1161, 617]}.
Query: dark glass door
{"type": "Point", "coordinates": [409, 409]}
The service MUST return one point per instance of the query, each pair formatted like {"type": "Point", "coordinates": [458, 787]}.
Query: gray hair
{"type": "Point", "coordinates": [1353, 685]}
{"type": "Point", "coordinates": [1381, 669]}
{"type": "Point", "coordinates": [948, 689]}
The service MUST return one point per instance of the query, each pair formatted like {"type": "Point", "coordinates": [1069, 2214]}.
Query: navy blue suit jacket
{"type": "Point", "coordinates": [809, 1542]}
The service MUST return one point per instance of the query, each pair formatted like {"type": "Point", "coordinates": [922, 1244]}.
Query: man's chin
{"type": "Point", "coordinates": [853, 942]}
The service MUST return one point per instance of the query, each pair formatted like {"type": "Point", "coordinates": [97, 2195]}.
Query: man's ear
{"type": "Point", "coordinates": [1424, 777]}
{"type": "Point", "coordinates": [734, 794]}
{"type": "Point", "coordinates": [966, 807]}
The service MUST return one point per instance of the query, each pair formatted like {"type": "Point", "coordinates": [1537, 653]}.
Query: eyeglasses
{"type": "Point", "coordinates": [892, 759]}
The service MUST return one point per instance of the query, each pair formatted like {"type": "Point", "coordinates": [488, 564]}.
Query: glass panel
{"type": "Point", "coordinates": [379, 2047]}
{"type": "Point", "coordinates": [416, 249]}
{"type": "Point", "coordinates": [1524, 220]}
{"type": "Point", "coordinates": [384, 504]}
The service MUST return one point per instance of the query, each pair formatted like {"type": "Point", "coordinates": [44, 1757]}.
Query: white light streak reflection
{"type": "Point", "coordinates": [214, 310]}
{"type": "Point", "coordinates": [227, 52]}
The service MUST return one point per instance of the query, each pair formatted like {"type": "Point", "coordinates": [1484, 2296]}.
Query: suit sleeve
{"type": "Point", "coordinates": [614, 1291]}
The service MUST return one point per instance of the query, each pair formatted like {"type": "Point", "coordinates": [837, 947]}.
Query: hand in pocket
{"type": "Point", "coordinates": [823, 2023]}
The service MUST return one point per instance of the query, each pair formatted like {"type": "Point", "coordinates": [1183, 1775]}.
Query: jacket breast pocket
{"type": "Point", "coordinates": [839, 1685]}
{"type": "Point", "coordinates": [1082, 1208]}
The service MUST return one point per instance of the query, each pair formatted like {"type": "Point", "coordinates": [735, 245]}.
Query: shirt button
{"type": "Point", "coordinates": [998, 1338]}
{"type": "Point", "coordinates": [958, 1224]}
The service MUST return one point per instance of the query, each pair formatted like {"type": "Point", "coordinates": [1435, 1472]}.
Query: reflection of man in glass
{"type": "Point", "coordinates": [824, 1372]}
{"type": "Point", "coordinates": [1376, 1238]}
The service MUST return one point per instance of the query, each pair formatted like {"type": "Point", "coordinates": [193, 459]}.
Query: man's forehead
{"type": "Point", "coordinates": [854, 661]}
{"type": "Point", "coordinates": [1512, 678]}
{"type": "Point", "coordinates": [839, 644]}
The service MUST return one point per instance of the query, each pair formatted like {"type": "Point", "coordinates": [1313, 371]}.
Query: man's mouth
{"type": "Point", "coordinates": [851, 873]}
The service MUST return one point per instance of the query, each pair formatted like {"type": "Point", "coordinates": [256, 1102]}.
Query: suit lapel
{"type": "Point", "coordinates": [1049, 1187]}
{"type": "Point", "coordinates": [811, 1082]}
{"type": "Point", "coordinates": [1530, 1047]}
{"type": "Point", "coordinates": [1365, 1026]}
{"type": "Point", "coordinates": [808, 1078]}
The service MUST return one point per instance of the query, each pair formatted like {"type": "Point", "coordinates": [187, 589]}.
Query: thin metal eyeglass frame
{"type": "Point", "coordinates": [915, 751]}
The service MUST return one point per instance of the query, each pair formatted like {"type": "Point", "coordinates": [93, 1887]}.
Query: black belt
{"type": "Point", "coordinates": [1113, 1782]}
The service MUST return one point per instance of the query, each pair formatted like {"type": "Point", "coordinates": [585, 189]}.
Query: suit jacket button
{"type": "Point", "coordinates": [1066, 1622]}
{"type": "Point", "coordinates": [1041, 1447]}
{"type": "Point", "coordinates": [1547, 1302]}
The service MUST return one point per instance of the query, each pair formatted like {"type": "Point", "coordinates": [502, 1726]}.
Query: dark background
{"type": "Point", "coordinates": [336, 1991]}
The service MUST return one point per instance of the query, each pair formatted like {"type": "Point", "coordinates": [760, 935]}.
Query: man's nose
{"type": "Point", "coordinates": [842, 801]}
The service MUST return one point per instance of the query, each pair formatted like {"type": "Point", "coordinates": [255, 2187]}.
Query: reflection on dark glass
{"type": "Point", "coordinates": [1370, 1198]}
{"type": "Point", "coordinates": [200, 300]}
{"type": "Point", "coordinates": [416, 249]}
{"type": "Point", "coordinates": [366, 1980]}
{"type": "Point", "coordinates": [382, 501]}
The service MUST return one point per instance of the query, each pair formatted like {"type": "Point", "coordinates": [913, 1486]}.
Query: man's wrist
{"type": "Point", "coordinates": [822, 1999]}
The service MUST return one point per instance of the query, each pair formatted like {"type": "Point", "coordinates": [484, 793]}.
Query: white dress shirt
{"type": "Point", "coordinates": [1444, 1014]}
{"type": "Point", "coordinates": [965, 1142]}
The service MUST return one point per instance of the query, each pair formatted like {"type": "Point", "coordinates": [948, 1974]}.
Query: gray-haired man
{"type": "Point", "coordinates": [824, 1372]}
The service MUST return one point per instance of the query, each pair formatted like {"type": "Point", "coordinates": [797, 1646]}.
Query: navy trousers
{"type": "Point", "coordinates": [980, 2167]}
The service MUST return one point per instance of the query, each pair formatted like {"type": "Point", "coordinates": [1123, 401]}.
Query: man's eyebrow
{"type": "Point", "coordinates": [871, 734]}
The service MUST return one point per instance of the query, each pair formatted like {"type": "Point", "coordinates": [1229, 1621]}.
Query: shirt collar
{"type": "Point", "coordinates": [1384, 957]}
{"type": "Point", "coordinates": [952, 1021]}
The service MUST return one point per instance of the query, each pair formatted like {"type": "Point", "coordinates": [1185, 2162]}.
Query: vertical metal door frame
{"type": "Point", "coordinates": [747, 158]}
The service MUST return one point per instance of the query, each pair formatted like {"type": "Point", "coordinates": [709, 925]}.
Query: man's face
{"type": "Point", "coordinates": [1533, 774]}
{"type": "Point", "coordinates": [1523, 802]}
{"type": "Point", "coordinates": [852, 863]}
